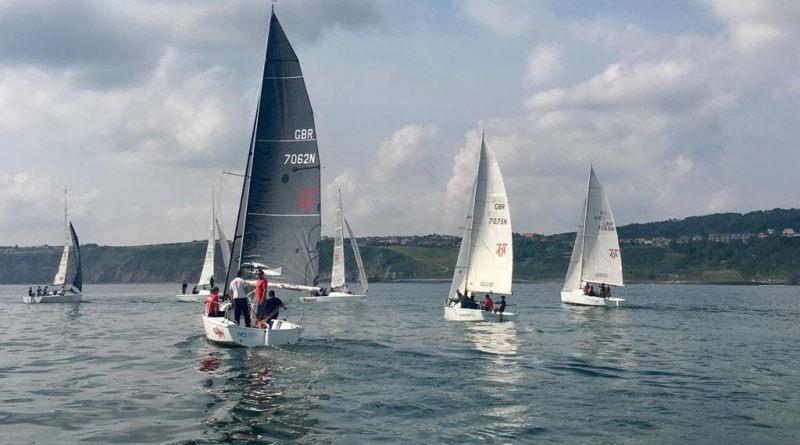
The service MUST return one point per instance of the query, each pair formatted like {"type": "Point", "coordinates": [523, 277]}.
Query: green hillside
{"type": "Point", "coordinates": [719, 248]}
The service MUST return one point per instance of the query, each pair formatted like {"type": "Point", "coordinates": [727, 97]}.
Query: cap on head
{"type": "Point", "coordinates": [271, 293]}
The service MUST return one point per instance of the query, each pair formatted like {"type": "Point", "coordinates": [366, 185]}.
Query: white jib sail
{"type": "Point", "coordinates": [573, 280]}
{"type": "Point", "coordinates": [486, 257]}
{"type": "Point", "coordinates": [61, 274]}
{"type": "Point", "coordinates": [362, 274]}
{"type": "Point", "coordinates": [208, 263]}
{"type": "Point", "coordinates": [337, 271]}
{"type": "Point", "coordinates": [224, 247]}
{"type": "Point", "coordinates": [602, 261]}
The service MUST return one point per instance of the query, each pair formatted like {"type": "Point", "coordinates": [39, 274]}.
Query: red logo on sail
{"type": "Point", "coordinates": [613, 253]}
{"type": "Point", "coordinates": [308, 199]}
{"type": "Point", "coordinates": [501, 249]}
{"type": "Point", "coordinates": [219, 332]}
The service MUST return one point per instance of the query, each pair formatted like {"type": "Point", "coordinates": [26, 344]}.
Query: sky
{"type": "Point", "coordinates": [683, 107]}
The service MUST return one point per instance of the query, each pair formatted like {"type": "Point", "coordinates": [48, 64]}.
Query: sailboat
{"type": "Point", "coordinates": [596, 257]}
{"type": "Point", "coordinates": [206, 280]}
{"type": "Point", "coordinates": [60, 293]}
{"type": "Point", "coordinates": [339, 289]}
{"type": "Point", "coordinates": [485, 259]}
{"type": "Point", "coordinates": [278, 224]}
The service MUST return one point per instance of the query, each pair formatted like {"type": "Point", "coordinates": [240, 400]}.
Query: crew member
{"type": "Point", "coordinates": [261, 293]}
{"type": "Point", "coordinates": [488, 304]}
{"type": "Point", "coordinates": [238, 288]}
{"type": "Point", "coordinates": [212, 304]}
{"type": "Point", "coordinates": [272, 307]}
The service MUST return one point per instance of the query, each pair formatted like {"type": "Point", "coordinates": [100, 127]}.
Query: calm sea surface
{"type": "Point", "coordinates": [677, 364]}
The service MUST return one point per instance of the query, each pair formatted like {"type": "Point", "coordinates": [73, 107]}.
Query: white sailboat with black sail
{"type": "Point", "coordinates": [278, 224]}
{"type": "Point", "coordinates": [596, 258]}
{"type": "Point", "coordinates": [339, 290]}
{"type": "Point", "coordinates": [68, 281]}
{"type": "Point", "coordinates": [485, 259]}
{"type": "Point", "coordinates": [207, 280]}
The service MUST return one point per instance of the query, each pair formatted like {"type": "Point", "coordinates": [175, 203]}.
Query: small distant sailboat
{"type": "Point", "coordinates": [339, 289]}
{"type": "Point", "coordinates": [206, 281]}
{"type": "Point", "coordinates": [278, 225]}
{"type": "Point", "coordinates": [60, 293]}
{"type": "Point", "coordinates": [485, 259]}
{"type": "Point", "coordinates": [596, 257]}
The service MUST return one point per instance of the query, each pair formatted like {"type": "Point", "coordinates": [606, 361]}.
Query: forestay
{"type": "Point", "coordinates": [485, 259]}
{"type": "Point", "coordinates": [602, 262]}
{"type": "Point", "coordinates": [278, 226]}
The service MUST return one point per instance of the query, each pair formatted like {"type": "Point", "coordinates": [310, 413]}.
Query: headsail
{"type": "Point", "coordinates": [77, 280]}
{"type": "Point", "coordinates": [279, 215]}
{"type": "Point", "coordinates": [61, 274]}
{"type": "Point", "coordinates": [224, 247]}
{"type": "Point", "coordinates": [602, 262]}
{"type": "Point", "coordinates": [208, 262]}
{"type": "Point", "coordinates": [363, 285]}
{"type": "Point", "coordinates": [486, 257]}
{"type": "Point", "coordinates": [573, 280]}
{"type": "Point", "coordinates": [337, 270]}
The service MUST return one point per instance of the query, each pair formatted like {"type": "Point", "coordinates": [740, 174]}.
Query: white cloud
{"type": "Point", "coordinates": [504, 17]}
{"type": "Point", "coordinates": [545, 62]}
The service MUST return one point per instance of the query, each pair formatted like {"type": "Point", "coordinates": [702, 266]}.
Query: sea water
{"type": "Point", "coordinates": [673, 364]}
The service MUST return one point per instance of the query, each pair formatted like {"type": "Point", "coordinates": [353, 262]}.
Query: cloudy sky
{"type": "Point", "coordinates": [683, 106]}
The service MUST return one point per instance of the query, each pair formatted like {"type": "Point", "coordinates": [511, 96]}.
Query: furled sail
{"type": "Point", "coordinates": [601, 262]}
{"type": "Point", "coordinates": [278, 225]}
{"type": "Point", "coordinates": [485, 260]}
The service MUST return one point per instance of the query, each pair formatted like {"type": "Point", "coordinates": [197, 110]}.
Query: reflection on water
{"type": "Point", "coordinates": [607, 334]}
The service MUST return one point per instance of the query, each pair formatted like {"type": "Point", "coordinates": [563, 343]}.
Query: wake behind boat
{"type": "Point", "coordinates": [69, 266]}
{"type": "Point", "coordinates": [339, 291]}
{"type": "Point", "coordinates": [596, 258]}
{"type": "Point", "coordinates": [278, 224]}
{"type": "Point", "coordinates": [485, 258]}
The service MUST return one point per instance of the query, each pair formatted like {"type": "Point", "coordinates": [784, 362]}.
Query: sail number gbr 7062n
{"type": "Point", "coordinates": [299, 158]}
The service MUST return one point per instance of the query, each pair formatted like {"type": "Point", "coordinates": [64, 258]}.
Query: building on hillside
{"type": "Point", "coordinates": [789, 232]}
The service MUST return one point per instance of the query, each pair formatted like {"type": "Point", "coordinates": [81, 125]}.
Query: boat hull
{"type": "Point", "coordinates": [331, 297]}
{"type": "Point", "coordinates": [576, 297]}
{"type": "Point", "coordinates": [194, 298]}
{"type": "Point", "coordinates": [220, 330]}
{"type": "Point", "coordinates": [456, 313]}
{"type": "Point", "coordinates": [68, 298]}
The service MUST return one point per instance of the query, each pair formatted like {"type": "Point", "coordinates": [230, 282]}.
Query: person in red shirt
{"type": "Point", "coordinates": [212, 304]}
{"type": "Point", "coordinates": [488, 304]}
{"type": "Point", "coordinates": [261, 295]}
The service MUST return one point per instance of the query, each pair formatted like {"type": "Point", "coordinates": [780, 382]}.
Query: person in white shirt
{"type": "Point", "coordinates": [238, 288]}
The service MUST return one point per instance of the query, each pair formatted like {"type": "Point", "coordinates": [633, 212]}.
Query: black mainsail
{"type": "Point", "coordinates": [77, 281]}
{"type": "Point", "coordinates": [278, 225]}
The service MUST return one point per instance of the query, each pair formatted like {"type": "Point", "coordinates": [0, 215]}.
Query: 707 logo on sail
{"type": "Point", "coordinates": [300, 158]}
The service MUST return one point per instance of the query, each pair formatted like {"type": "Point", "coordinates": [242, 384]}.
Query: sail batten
{"type": "Point", "coordinates": [279, 215]}
{"type": "Point", "coordinates": [485, 259]}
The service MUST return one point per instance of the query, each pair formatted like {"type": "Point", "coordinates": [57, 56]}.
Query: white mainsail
{"type": "Point", "coordinates": [602, 262]}
{"type": "Point", "coordinates": [337, 271]}
{"type": "Point", "coordinates": [362, 274]}
{"type": "Point", "coordinates": [486, 258]}
{"type": "Point", "coordinates": [208, 263]}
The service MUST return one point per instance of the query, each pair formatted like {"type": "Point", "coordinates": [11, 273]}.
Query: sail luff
{"type": "Point", "coordinates": [61, 274]}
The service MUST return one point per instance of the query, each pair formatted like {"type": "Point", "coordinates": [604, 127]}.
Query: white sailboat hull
{"type": "Point", "coordinates": [194, 298]}
{"type": "Point", "coordinates": [333, 296]}
{"type": "Point", "coordinates": [456, 313]}
{"type": "Point", "coordinates": [68, 298]}
{"type": "Point", "coordinates": [577, 297]}
{"type": "Point", "coordinates": [220, 330]}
